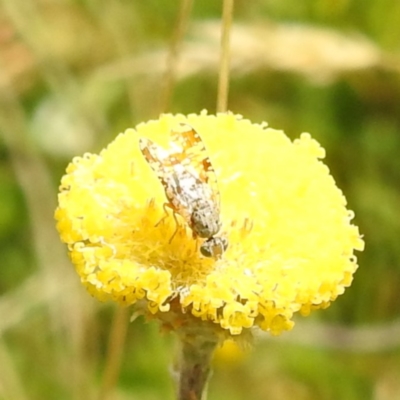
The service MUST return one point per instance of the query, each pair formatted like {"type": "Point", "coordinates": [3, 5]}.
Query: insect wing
{"type": "Point", "coordinates": [171, 174]}
{"type": "Point", "coordinates": [192, 153]}
{"type": "Point", "coordinates": [158, 159]}
{"type": "Point", "coordinates": [155, 156]}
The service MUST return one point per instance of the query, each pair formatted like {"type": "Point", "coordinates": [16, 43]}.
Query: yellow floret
{"type": "Point", "coordinates": [291, 240]}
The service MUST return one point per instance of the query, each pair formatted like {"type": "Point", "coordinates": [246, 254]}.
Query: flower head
{"type": "Point", "coordinates": [291, 240]}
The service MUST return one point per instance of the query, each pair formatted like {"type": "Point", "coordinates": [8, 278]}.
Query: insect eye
{"type": "Point", "coordinates": [205, 250]}
{"type": "Point", "coordinates": [214, 247]}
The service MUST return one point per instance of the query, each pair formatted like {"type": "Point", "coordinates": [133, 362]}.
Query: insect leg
{"type": "Point", "coordinates": [177, 227]}
{"type": "Point", "coordinates": [165, 206]}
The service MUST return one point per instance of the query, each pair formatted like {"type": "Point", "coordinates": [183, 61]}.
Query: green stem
{"type": "Point", "coordinates": [173, 54]}
{"type": "Point", "coordinates": [223, 81]}
{"type": "Point", "coordinates": [195, 369]}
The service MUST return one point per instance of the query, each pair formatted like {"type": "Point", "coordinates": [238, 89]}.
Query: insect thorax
{"type": "Point", "coordinates": [194, 200]}
{"type": "Point", "coordinates": [205, 218]}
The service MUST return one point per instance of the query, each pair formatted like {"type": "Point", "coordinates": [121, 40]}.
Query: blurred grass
{"type": "Point", "coordinates": [75, 73]}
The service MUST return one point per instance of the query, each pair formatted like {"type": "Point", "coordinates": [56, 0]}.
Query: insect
{"type": "Point", "coordinates": [190, 185]}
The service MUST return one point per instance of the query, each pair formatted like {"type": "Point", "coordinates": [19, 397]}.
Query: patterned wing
{"type": "Point", "coordinates": [171, 174]}
{"type": "Point", "coordinates": [191, 152]}
{"type": "Point", "coordinates": [156, 156]}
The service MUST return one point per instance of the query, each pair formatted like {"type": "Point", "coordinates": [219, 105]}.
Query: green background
{"type": "Point", "coordinates": [73, 74]}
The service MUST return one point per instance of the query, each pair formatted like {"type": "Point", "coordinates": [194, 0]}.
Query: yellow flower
{"type": "Point", "coordinates": [291, 240]}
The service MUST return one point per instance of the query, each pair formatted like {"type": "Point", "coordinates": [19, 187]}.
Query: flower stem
{"type": "Point", "coordinates": [195, 368]}
{"type": "Point", "coordinates": [173, 54]}
{"type": "Point", "coordinates": [223, 82]}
